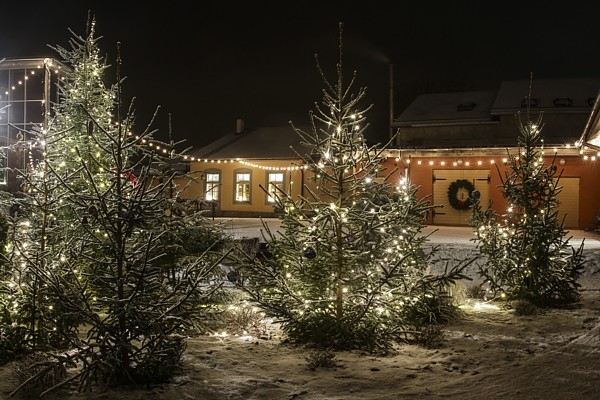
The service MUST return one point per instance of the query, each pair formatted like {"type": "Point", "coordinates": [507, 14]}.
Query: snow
{"type": "Point", "coordinates": [489, 354]}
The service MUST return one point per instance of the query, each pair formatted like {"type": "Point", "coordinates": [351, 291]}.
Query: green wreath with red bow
{"type": "Point", "coordinates": [455, 186]}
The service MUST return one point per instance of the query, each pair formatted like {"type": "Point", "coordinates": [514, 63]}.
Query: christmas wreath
{"type": "Point", "coordinates": [455, 186]}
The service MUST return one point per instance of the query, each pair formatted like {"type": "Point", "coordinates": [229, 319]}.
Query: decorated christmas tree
{"type": "Point", "coordinates": [348, 268]}
{"type": "Point", "coordinates": [86, 267]}
{"type": "Point", "coordinates": [528, 255]}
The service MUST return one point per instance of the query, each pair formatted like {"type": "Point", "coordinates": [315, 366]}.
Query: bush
{"type": "Point", "coordinates": [321, 358]}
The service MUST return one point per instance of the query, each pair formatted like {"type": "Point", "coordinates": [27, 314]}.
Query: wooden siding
{"type": "Point", "coordinates": [445, 214]}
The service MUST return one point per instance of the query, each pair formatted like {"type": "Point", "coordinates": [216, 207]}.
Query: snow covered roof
{"type": "Point", "coordinates": [489, 118]}
{"type": "Point", "coordinates": [472, 119]}
{"type": "Point", "coordinates": [271, 142]}
{"type": "Point", "coordinates": [591, 133]}
{"type": "Point", "coordinates": [442, 108]}
{"type": "Point", "coordinates": [548, 95]}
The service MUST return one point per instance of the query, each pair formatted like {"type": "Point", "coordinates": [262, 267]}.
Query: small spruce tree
{"type": "Point", "coordinates": [348, 268]}
{"type": "Point", "coordinates": [527, 250]}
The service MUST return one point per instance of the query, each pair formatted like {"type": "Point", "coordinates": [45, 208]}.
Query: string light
{"type": "Point", "coordinates": [157, 146]}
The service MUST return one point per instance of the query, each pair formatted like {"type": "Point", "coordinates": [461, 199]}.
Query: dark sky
{"type": "Point", "coordinates": [206, 64]}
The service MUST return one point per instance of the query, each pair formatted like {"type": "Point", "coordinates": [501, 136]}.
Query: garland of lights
{"type": "Point", "coordinates": [455, 186]}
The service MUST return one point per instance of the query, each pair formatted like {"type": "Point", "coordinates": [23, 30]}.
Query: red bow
{"type": "Point", "coordinates": [130, 176]}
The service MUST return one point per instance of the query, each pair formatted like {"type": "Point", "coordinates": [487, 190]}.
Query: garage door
{"type": "Point", "coordinates": [569, 202]}
{"type": "Point", "coordinates": [444, 213]}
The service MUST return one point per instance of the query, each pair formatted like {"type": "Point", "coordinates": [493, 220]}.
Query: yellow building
{"type": "Point", "coordinates": [238, 172]}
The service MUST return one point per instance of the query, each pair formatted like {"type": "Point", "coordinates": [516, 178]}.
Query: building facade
{"type": "Point", "coordinates": [449, 137]}
{"type": "Point", "coordinates": [441, 140]}
{"type": "Point", "coordinates": [235, 175]}
{"type": "Point", "coordinates": [28, 89]}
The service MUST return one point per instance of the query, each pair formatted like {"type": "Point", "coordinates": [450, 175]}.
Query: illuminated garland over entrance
{"type": "Point", "coordinates": [455, 186]}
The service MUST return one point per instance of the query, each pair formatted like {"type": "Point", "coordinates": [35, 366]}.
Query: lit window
{"type": "Point", "coordinates": [242, 186]}
{"type": "Point", "coordinates": [213, 183]}
{"type": "Point", "coordinates": [275, 185]}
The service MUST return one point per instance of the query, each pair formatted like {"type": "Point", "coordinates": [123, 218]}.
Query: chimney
{"type": "Point", "coordinates": [239, 126]}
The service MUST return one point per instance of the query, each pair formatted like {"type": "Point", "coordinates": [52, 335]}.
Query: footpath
{"type": "Point", "coordinates": [451, 235]}
{"type": "Point", "coordinates": [452, 243]}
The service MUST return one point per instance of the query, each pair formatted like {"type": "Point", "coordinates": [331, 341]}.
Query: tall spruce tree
{"type": "Point", "coordinates": [528, 255]}
{"type": "Point", "coordinates": [90, 256]}
{"type": "Point", "coordinates": [348, 268]}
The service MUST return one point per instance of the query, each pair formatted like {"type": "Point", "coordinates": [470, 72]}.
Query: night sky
{"type": "Point", "coordinates": [205, 65]}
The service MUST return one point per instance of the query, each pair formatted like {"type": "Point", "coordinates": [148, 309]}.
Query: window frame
{"type": "Point", "coordinates": [237, 182]}
{"type": "Point", "coordinates": [269, 199]}
{"type": "Point", "coordinates": [215, 186]}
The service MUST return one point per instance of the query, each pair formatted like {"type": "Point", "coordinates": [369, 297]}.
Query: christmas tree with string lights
{"type": "Point", "coordinates": [529, 260]}
{"type": "Point", "coordinates": [86, 269]}
{"type": "Point", "coordinates": [347, 268]}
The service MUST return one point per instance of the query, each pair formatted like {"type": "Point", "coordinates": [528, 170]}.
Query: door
{"type": "Point", "coordinates": [445, 213]}
{"type": "Point", "coordinates": [568, 200]}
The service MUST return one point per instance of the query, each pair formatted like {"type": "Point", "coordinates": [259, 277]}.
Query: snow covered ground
{"type": "Point", "coordinates": [490, 353]}
{"type": "Point", "coordinates": [453, 243]}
